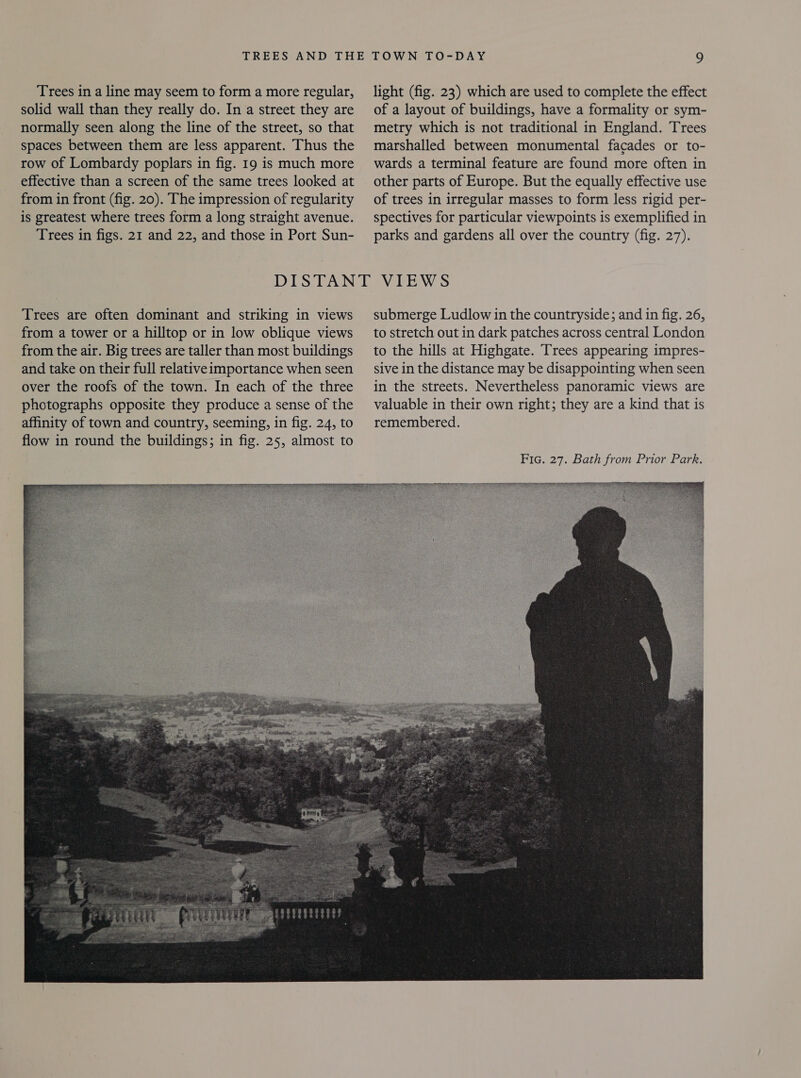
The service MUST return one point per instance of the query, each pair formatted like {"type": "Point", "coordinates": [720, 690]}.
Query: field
{"type": "Point", "coordinates": [144, 863]}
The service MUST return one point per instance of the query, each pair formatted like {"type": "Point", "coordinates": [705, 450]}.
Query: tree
{"type": "Point", "coordinates": [195, 805]}
{"type": "Point", "coordinates": [109, 757]}
{"type": "Point", "coordinates": [479, 838]}
{"type": "Point", "coordinates": [61, 787]}
{"type": "Point", "coordinates": [200, 820]}
{"type": "Point", "coordinates": [368, 761]}
{"type": "Point", "coordinates": [484, 794]}
{"type": "Point", "coordinates": [147, 765]}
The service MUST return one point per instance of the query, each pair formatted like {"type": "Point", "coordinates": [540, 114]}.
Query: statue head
{"type": "Point", "coordinates": [598, 535]}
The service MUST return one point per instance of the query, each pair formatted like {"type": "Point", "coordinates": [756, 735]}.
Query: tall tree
{"type": "Point", "coordinates": [61, 787]}
{"type": "Point", "coordinates": [147, 764]}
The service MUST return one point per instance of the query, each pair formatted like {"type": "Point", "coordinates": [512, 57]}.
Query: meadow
{"type": "Point", "coordinates": [143, 862]}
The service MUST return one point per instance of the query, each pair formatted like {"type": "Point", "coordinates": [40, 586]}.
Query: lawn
{"type": "Point", "coordinates": [144, 863]}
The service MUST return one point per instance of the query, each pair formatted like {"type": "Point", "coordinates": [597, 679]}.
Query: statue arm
{"type": "Point", "coordinates": [536, 619]}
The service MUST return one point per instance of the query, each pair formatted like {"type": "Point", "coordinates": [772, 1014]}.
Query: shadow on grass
{"type": "Point", "coordinates": [240, 847]}
{"type": "Point", "coordinates": [123, 836]}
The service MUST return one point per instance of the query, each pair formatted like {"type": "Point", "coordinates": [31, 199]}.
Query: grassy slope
{"type": "Point", "coordinates": [317, 863]}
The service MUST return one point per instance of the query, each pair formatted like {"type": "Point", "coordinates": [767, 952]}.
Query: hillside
{"type": "Point", "coordinates": [291, 722]}
{"type": "Point", "coordinates": [146, 864]}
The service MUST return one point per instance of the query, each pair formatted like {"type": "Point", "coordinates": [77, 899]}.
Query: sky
{"type": "Point", "coordinates": [361, 594]}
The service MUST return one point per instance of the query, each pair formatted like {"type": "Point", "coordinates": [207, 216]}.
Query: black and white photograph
{"type": "Point", "coordinates": [363, 732]}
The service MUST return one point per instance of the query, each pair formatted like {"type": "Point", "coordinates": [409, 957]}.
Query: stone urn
{"type": "Point", "coordinates": [408, 858]}
{"type": "Point", "coordinates": [238, 870]}
{"type": "Point", "coordinates": [62, 858]}
{"type": "Point", "coordinates": [363, 856]}
{"type": "Point", "coordinates": [61, 891]}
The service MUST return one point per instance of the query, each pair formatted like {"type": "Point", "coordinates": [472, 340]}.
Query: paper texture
{"type": "Point", "coordinates": [738, 268]}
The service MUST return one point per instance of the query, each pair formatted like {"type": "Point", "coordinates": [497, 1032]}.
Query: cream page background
{"type": "Point", "coordinates": [742, 1017]}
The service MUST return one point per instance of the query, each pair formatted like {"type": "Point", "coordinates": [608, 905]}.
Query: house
{"type": "Point", "coordinates": [311, 815]}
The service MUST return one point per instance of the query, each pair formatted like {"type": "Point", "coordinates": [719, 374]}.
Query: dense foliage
{"type": "Point", "coordinates": [477, 795]}
{"type": "Point", "coordinates": [61, 785]}
{"type": "Point", "coordinates": [65, 766]}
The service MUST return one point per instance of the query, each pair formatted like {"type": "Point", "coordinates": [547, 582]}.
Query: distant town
{"type": "Point", "coordinates": [290, 722]}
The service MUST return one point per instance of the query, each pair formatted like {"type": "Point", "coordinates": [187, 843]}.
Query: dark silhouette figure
{"type": "Point", "coordinates": [599, 699]}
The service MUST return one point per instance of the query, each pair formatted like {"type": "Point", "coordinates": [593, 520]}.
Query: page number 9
{"type": "Point", "coordinates": [699, 57]}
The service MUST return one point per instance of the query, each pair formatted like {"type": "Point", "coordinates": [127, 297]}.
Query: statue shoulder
{"type": "Point", "coordinates": [634, 577]}
{"type": "Point", "coordinates": [571, 580]}
{"type": "Point", "coordinates": [639, 586]}
{"type": "Point", "coordinates": [538, 610]}
{"type": "Point", "coordinates": [547, 604]}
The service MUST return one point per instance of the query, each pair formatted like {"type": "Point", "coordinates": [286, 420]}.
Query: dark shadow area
{"type": "Point", "coordinates": [276, 956]}
{"type": "Point", "coordinates": [123, 836]}
{"type": "Point", "coordinates": [538, 921]}
{"type": "Point", "coordinates": [242, 847]}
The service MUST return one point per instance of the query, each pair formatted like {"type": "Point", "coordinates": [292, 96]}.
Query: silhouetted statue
{"type": "Point", "coordinates": [599, 699]}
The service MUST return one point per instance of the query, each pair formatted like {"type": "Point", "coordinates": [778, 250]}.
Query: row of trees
{"type": "Point", "coordinates": [478, 793]}
{"type": "Point", "coordinates": [66, 765]}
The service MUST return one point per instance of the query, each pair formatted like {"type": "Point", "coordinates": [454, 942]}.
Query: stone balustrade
{"type": "Point", "coordinates": [69, 912]}
{"type": "Point", "coordinates": [132, 915]}
{"type": "Point", "coordinates": [296, 912]}
{"type": "Point", "coordinates": [250, 914]}
{"type": "Point", "coordinates": [188, 917]}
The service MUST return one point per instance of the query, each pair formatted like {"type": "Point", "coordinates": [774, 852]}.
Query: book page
{"type": "Point", "coordinates": [338, 339]}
